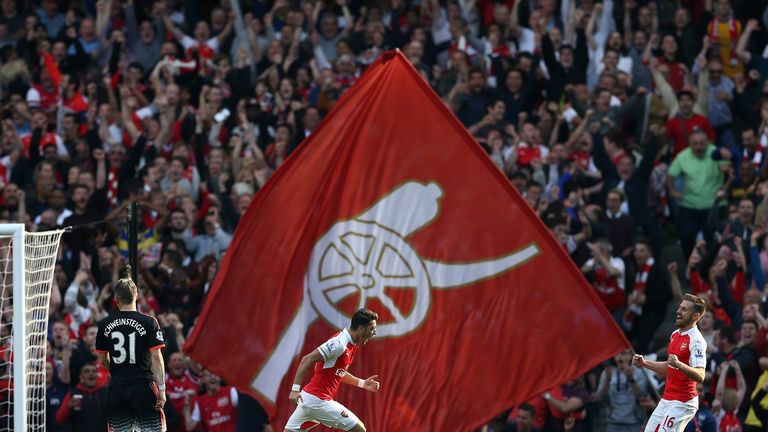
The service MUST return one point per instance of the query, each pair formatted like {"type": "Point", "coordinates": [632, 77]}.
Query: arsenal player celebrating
{"type": "Point", "coordinates": [331, 360]}
{"type": "Point", "coordinates": [683, 369]}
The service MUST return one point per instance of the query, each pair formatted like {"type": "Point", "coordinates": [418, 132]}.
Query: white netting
{"type": "Point", "coordinates": [40, 254]}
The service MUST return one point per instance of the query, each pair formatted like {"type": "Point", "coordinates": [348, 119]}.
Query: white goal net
{"type": "Point", "coordinates": [24, 303]}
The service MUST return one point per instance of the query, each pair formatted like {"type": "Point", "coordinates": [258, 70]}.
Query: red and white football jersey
{"type": "Point", "coordinates": [175, 391]}
{"type": "Point", "coordinates": [218, 412]}
{"type": "Point", "coordinates": [690, 348]}
{"type": "Point", "coordinates": [337, 355]}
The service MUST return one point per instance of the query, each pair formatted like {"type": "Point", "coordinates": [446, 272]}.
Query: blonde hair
{"type": "Point", "coordinates": [124, 288]}
{"type": "Point", "coordinates": [699, 305]}
{"type": "Point", "coordinates": [14, 69]}
{"type": "Point", "coordinates": [730, 400]}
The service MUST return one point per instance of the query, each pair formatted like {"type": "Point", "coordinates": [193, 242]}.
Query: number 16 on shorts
{"type": "Point", "coordinates": [671, 416]}
{"type": "Point", "coordinates": [668, 423]}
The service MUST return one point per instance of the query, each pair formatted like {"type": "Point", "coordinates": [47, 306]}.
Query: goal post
{"type": "Point", "coordinates": [18, 329]}
{"type": "Point", "coordinates": [27, 265]}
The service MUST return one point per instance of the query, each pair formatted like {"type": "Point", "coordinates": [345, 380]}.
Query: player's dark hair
{"type": "Point", "coordinates": [124, 288]}
{"type": "Point", "coordinates": [699, 305]}
{"type": "Point", "coordinates": [363, 317]}
{"type": "Point", "coordinates": [528, 408]}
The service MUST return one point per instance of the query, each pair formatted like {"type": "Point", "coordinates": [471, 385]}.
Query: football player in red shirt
{"type": "Point", "coordinates": [683, 369]}
{"type": "Point", "coordinates": [331, 360]}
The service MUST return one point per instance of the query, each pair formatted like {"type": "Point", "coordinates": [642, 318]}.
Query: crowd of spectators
{"type": "Point", "coordinates": [636, 129]}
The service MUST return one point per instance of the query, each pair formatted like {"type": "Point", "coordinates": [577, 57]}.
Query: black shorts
{"type": "Point", "coordinates": [132, 407]}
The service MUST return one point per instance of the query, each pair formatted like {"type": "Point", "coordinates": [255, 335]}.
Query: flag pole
{"type": "Point", "coordinates": [133, 245]}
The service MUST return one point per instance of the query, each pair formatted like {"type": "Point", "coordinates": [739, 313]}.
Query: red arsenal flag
{"type": "Point", "coordinates": [392, 205]}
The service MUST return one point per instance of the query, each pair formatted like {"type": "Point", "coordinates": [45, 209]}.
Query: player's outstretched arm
{"type": "Point", "coordinates": [158, 373]}
{"type": "Point", "coordinates": [306, 362]}
{"type": "Point", "coordinates": [660, 368]}
{"type": "Point", "coordinates": [371, 384]}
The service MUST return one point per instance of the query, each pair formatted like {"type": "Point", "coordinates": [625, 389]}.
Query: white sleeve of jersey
{"type": "Point", "coordinates": [233, 396]}
{"type": "Point", "coordinates": [332, 349]}
{"type": "Point", "coordinates": [698, 352]}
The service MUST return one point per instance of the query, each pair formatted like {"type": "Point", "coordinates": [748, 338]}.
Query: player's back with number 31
{"type": "Point", "coordinates": [132, 342]}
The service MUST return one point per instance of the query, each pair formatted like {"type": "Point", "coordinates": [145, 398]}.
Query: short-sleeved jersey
{"type": "Point", "coordinates": [218, 412]}
{"type": "Point", "coordinates": [175, 390]}
{"type": "Point", "coordinates": [690, 348]}
{"type": "Point", "coordinates": [128, 337]}
{"type": "Point", "coordinates": [337, 353]}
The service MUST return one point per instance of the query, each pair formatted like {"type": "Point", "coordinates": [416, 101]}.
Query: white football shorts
{"type": "Point", "coordinates": [672, 416]}
{"type": "Point", "coordinates": [312, 411]}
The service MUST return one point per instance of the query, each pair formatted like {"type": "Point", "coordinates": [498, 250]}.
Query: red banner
{"type": "Point", "coordinates": [392, 205]}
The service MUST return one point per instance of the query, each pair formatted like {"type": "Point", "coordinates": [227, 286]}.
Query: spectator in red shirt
{"type": "Point", "coordinates": [680, 127]}
{"type": "Point", "coordinates": [216, 409]}
{"type": "Point", "coordinates": [677, 70]}
{"type": "Point", "coordinates": [181, 390]}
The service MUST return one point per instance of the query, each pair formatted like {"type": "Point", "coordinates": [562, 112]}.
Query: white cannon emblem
{"type": "Point", "coordinates": [366, 254]}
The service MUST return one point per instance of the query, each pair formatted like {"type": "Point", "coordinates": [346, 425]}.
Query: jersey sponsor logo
{"type": "Point", "coordinates": [174, 395]}
{"type": "Point", "coordinates": [341, 372]}
{"type": "Point", "coordinates": [218, 419]}
{"type": "Point", "coordinates": [331, 344]}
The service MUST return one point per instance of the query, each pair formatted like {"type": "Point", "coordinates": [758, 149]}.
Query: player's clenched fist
{"type": "Point", "coordinates": [372, 384]}
{"type": "Point", "coordinates": [673, 361]}
{"type": "Point", "coordinates": [294, 397]}
{"type": "Point", "coordinates": [638, 360]}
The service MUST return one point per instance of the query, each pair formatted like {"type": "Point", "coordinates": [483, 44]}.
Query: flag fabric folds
{"type": "Point", "coordinates": [392, 205]}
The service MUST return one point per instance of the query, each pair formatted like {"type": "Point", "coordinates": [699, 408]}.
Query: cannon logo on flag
{"type": "Point", "coordinates": [368, 254]}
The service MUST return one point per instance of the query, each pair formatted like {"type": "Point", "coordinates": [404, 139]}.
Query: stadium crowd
{"type": "Point", "coordinates": [636, 129]}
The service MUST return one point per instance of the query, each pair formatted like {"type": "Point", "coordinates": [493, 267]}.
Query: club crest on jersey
{"type": "Point", "coordinates": [683, 345]}
{"type": "Point", "coordinates": [340, 372]}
